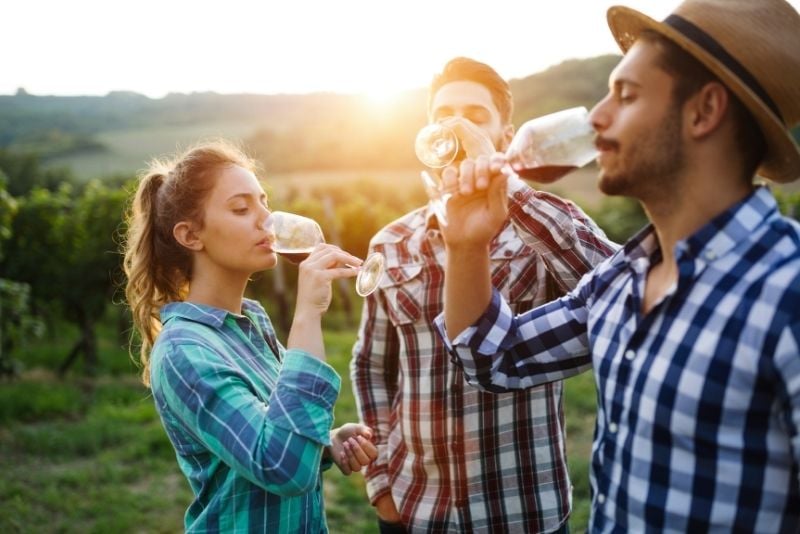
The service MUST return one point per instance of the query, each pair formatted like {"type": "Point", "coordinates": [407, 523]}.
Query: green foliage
{"type": "Point", "coordinates": [24, 172]}
{"type": "Point", "coordinates": [65, 246]}
{"type": "Point", "coordinates": [789, 203]}
{"type": "Point", "coordinates": [619, 217]}
{"type": "Point", "coordinates": [87, 456]}
{"type": "Point", "coordinates": [35, 250]}
{"type": "Point", "coordinates": [29, 401]}
{"type": "Point", "coordinates": [18, 326]}
{"type": "Point", "coordinates": [8, 209]}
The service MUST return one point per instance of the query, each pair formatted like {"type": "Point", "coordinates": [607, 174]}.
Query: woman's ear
{"type": "Point", "coordinates": [185, 235]}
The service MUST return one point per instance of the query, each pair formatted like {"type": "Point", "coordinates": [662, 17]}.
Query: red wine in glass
{"type": "Point", "coordinates": [293, 256]}
{"type": "Point", "coordinates": [546, 173]}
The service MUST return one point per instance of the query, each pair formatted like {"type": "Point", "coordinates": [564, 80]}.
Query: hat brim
{"type": "Point", "coordinates": [782, 161]}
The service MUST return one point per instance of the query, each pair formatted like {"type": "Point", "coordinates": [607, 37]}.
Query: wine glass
{"type": "Point", "coordinates": [436, 145]}
{"type": "Point", "coordinates": [543, 150]}
{"type": "Point", "coordinates": [296, 236]}
{"type": "Point", "coordinates": [546, 148]}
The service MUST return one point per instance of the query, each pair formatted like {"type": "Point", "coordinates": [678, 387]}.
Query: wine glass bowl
{"type": "Point", "coordinates": [297, 236]}
{"type": "Point", "coordinates": [546, 148]}
{"type": "Point", "coordinates": [436, 146]}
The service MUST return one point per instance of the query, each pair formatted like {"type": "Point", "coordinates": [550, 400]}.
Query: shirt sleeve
{"type": "Point", "coordinates": [374, 374]}
{"type": "Point", "coordinates": [569, 242]}
{"type": "Point", "coordinates": [503, 352]}
{"type": "Point", "coordinates": [277, 444]}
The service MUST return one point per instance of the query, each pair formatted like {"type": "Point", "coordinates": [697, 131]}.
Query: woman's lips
{"type": "Point", "coordinates": [266, 243]}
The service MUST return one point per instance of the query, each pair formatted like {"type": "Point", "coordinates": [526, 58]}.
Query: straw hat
{"type": "Point", "coordinates": [753, 46]}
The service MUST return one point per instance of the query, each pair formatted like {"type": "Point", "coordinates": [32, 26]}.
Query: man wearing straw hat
{"type": "Point", "coordinates": [693, 327]}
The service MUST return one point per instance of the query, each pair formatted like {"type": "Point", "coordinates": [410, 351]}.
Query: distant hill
{"type": "Point", "coordinates": [118, 132]}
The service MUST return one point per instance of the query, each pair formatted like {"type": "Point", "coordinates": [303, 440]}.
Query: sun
{"type": "Point", "coordinates": [381, 96]}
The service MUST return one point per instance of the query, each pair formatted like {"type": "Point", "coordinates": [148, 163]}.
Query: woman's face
{"type": "Point", "coordinates": [234, 237]}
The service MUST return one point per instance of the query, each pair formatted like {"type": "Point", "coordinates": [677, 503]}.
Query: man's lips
{"type": "Point", "coordinates": [605, 145]}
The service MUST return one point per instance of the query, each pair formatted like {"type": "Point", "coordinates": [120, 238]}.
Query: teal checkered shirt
{"type": "Point", "coordinates": [248, 419]}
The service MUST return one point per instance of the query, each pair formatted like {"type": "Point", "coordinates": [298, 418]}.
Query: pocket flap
{"type": "Point", "coordinates": [400, 274]}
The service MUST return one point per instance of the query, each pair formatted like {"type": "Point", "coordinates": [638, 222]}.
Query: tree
{"type": "Point", "coordinates": [16, 321]}
{"type": "Point", "coordinates": [64, 245]}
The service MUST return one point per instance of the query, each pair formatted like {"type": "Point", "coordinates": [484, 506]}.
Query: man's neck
{"type": "Point", "coordinates": [693, 203]}
{"type": "Point", "coordinates": [696, 199]}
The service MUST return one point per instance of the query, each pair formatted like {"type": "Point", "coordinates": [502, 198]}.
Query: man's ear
{"type": "Point", "coordinates": [508, 135]}
{"type": "Point", "coordinates": [707, 109]}
{"type": "Point", "coordinates": [185, 234]}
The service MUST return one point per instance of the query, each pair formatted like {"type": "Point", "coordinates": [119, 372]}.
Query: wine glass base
{"type": "Point", "coordinates": [370, 274]}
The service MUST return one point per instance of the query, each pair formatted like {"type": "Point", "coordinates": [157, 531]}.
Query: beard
{"type": "Point", "coordinates": [649, 165]}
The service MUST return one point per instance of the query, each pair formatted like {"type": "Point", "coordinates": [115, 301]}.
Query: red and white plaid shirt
{"type": "Point", "coordinates": [456, 459]}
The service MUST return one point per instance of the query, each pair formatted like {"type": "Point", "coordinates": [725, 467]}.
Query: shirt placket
{"type": "Point", "coordinates": [432, 252]}
{"type": "Point", "coordinates": [633, 334]}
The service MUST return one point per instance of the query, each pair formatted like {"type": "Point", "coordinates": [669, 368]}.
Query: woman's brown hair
{"type": "Point", "coordinates": [157, 267]}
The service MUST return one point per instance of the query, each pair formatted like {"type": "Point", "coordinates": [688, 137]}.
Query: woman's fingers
{"type": "Point", "coordinates": [333, 262]}
{"type": "Point", "coordinates": [368, 447]}
{"type": "Point", "coordinates": [356, 454]}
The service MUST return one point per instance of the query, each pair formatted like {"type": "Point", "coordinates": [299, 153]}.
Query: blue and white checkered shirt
{"type": "Point", "coordinates": [699, 399]}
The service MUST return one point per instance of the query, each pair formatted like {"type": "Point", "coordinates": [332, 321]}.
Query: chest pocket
{"type": "Point", "coordinates": [402, 287]}
{"type": "Point", "coordinates": [519, 273]}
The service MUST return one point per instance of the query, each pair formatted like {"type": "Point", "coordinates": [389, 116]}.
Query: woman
{"type": "Point", "coordinates": [249, 419]}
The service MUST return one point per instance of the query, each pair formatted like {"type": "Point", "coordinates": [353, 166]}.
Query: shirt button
{"type": "Point", "coordinates": [711, 255]}
{"type": "Point", "coordinates": [630, 354]}
{"type": "Point", "coordinates": [507, 253]}
{"type": "Point", "coordinates": [612, 427]}
{"type": "Point", "coordinates": [601, 498]}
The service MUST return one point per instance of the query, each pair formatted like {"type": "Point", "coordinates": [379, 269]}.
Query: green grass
{"type": "Point", "coordinates": [90, 455]}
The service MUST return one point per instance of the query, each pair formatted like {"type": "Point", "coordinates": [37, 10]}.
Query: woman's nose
{"type": "Point", "coordinates": [266, 220]}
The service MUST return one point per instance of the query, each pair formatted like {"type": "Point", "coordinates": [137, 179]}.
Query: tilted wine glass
{"type": "Point", "coordinates": [296, 236]}
{"type": "Point", "coordinates": [543, 150]}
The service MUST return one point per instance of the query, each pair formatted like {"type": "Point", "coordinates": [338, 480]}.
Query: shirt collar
{"type": "Point", "coordinates": [735, 225]}
{"type": "Point", "coordinates": [642, 245]}
{"type": "Point", "coordinates": [431, 222]}
{"type": "Point", "coordinates": [204, 314]}
{"type": "Point", "coordinates": [718, 236]}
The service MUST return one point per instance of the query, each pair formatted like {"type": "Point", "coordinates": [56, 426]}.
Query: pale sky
{"type": "Point", "coordinates": [90, 47]}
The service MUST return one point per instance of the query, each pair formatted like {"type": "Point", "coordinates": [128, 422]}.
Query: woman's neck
{"type": "Point", "coordinates": [220, 290]}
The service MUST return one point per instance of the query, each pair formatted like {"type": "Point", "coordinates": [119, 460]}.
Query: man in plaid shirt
{"type": "Point", "coordinates": [693, 327]}
{"type": "Point", "coordinates": [453, 458]}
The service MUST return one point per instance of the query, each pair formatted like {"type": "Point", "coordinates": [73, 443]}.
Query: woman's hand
{"type": "Point", "coordinates": [351, 448]}
{"type": "Point", "coordinates": [324, 264]}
